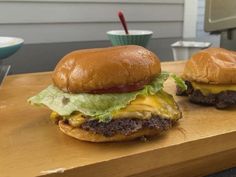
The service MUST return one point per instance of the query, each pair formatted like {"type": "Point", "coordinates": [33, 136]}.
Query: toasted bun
{"type": "Point", "coordinates": [213, 66]}
{"type": "Point", "coordinates": [104, 68]}
{"type": "Point", "coordinates": [92, 137]}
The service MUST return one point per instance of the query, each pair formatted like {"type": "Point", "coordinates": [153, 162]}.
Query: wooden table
{"type": "Point", "coordinates": [30, 145]}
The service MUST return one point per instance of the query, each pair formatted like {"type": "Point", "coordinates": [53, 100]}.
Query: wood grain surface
{"type": "Point", "coordinates": [30, 145]}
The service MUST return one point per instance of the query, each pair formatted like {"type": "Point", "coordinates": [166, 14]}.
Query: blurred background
{"type": "Point", "coordinates": [52, 28]}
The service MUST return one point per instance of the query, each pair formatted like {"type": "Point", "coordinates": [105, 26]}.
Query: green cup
{"type": "Point", "coordinates": [135, 37]}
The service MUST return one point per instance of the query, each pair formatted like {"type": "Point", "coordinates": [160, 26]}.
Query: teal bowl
{"type": "Point", "coordinates": [9, 45]}
{"type": "Point", "coordinates": [135, 37]}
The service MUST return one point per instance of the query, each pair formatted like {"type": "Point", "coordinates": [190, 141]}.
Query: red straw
{"type": "Point", "coordinates": [122, 20]}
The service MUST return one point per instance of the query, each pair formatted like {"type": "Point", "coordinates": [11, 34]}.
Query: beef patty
{"type": "Point", "coordinates": [221, 100]}
{"type": "Point", "coordinates": [127, 126]}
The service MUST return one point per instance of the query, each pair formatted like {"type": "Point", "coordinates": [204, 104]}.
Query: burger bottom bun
{"type": "Point", "coordinates": [84, 135]}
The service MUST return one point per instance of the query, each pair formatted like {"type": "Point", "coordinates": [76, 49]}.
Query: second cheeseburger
{"type": "Point", "coordinates": [110, 94]}
{"type": "Point", "coordinates": [211, 78]}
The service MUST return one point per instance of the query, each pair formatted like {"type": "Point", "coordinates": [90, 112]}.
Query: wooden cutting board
{"type": "Point", "coordinates": [30, 145]}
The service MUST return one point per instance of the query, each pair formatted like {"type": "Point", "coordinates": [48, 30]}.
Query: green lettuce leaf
{"type": "Point", "coordinates": [98, 106]}
{"type": "Point", "coordinates": [179, 82]}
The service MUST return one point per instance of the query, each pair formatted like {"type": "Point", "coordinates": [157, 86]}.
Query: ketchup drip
{"type": "Point", "coordinates": [123, 88]}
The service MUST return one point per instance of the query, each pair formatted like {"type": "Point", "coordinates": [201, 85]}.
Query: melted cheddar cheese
{"type": "Point", "coordinates": [143, 107]}
{"type": "Point", "coordinates": [207, 89]}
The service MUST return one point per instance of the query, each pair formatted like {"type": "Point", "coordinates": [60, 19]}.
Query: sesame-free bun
{"type": "Point", "coordinates": [104, 68]}
{"type": "Point", "coordinates": [84, 135]}
{"type": "Point", "coordinates": [212, 66]}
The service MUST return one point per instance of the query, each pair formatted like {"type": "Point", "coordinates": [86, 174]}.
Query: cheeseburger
{"type": "Point", "coordinates": [110, 94]}
{"type": "Point", "coordinates": [211, 78]}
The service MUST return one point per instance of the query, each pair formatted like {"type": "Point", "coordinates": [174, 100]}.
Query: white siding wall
{"type": "Point", "coordinates": [190, 18]}
{"type": "Point", "coordinates": [200, 33]}
{"type": "Point", "coordinates": [200, 19]}
{"type": "Point", "coordinates": [49, 21]}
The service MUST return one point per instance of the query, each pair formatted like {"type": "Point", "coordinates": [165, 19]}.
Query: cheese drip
{"type": "Point", "coordinates": [207, 89]}
{"type": "Point", "coordinates": [143, 107]}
